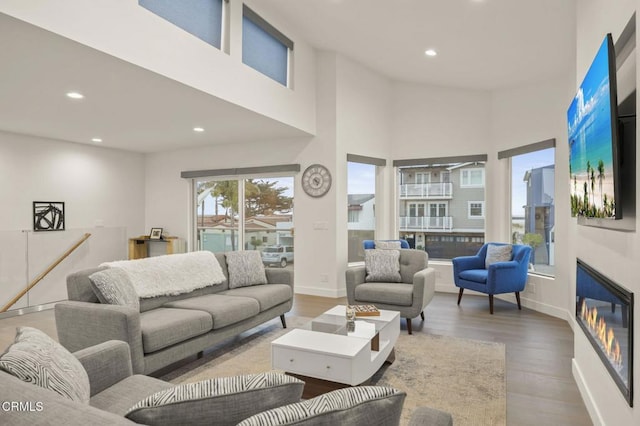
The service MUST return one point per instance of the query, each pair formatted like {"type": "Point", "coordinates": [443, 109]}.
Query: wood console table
{"type": "Point", "coordinates": [139, 247]}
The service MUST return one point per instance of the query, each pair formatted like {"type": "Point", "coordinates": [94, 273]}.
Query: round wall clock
{"type": "Point", "coordinates": [316, 180]}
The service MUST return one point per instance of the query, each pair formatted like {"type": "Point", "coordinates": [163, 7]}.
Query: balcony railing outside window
{"type": "Point", "coordinates": [426, 223]}
{"type": "Point", "coordinates": [427, 190]}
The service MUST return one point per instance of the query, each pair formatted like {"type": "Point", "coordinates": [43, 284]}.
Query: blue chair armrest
{"type": "Point", "coordinates": [506, 277]}
{"type": "Point", "coordinates": [463, 263]}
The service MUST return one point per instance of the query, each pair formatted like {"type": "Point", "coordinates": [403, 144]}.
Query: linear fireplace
{"type": "Point", "coordinates": [604, 311]}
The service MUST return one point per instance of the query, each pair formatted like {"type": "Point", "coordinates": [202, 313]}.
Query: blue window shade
{"type": "Point", "coordinates": [202, 18]}
{"type": "Point", "coordinates": [263, 52]}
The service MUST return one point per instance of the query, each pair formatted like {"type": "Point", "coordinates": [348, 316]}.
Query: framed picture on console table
{"type": "Point", "coordinates": [155, 234]}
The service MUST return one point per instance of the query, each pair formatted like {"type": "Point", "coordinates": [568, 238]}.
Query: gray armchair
{"type": "Point", "coordinates": [409, 297]}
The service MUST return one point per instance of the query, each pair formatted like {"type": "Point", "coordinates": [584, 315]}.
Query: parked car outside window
{"type": "Point", "coordinates": [277, 255]}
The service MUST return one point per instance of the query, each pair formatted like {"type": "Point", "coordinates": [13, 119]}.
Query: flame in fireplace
{"type": "Point", "coordinates": [604, 334]}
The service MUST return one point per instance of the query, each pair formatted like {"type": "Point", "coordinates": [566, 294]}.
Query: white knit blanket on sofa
{"type": "Point", "coordinates": [171, 274]}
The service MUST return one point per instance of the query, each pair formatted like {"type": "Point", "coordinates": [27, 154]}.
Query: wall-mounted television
{"type": "Point", "coordinates": [594, 163]}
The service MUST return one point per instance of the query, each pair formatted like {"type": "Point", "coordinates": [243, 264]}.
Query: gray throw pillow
{"type": "Point", "coordinates": [36, 358]}
{"type": "Point", "coordinates": [360, 405]}
{"type": "Point", "coordinates": [382, 266]}
{"type": "Point", "coordinates": [387, 245]}
{"type": "Point", "coordinates": [245, 268]}
{"type": "Point", "coordinates": [114, 287]}
{"type": "Point", "coordinates": [220, 401]}
{"type": "Point", "coordinates": [497, 253]}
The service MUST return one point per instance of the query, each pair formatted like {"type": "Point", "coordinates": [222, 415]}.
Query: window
{"type": "Point", "coordinates": [533, 201]}
{"type": "Point", "coordinates": [202, 18]}
{"type": "Point", "coordinates": [243, 213]}
{"type": "Point", "coordinates": [264, 48]}
{"type": "Point", "coordinates": [434, 213]}
{"type": "Point", "coordinates": [475, 209]}
{"type": "Point", "coordinates": [470, 178]}
{"type": "Point", "coordinates": [361, 198]}
{"type": "Point", "coordinates": [533, 206]}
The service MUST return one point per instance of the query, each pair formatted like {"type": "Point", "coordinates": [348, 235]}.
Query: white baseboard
{"type": "Point", "coordinates": [322, 292]}
{"type": "Point", "coordinates": [545, 308]}
{"type": "Point", "coordinates": [587, 398]}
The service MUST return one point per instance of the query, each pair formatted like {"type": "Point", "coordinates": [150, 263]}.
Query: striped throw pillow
{"type": "Point", "coordinates": [382, 266]}
{"type": "Point", "coordinates": [36, 358]}
{"type": "Point", "coordinates": [357, 405]}
{"type": "Point", "coordinates": [226, 399]}
{"type": "Point", "coordinates": [245, 268]}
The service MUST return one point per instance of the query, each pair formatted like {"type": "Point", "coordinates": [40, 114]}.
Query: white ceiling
{"type": "Point", "coordinates": [482, 45]}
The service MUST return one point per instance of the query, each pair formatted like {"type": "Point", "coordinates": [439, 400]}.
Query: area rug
{"type": "Point", "coordinates": [461, 376]}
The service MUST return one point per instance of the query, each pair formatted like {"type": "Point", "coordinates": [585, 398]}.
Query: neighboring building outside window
{"type": "Point", "coordinates": [533, 206]}
{"type": "Point", "coordinates": [361, 199]}
{"type": "Point", "coordinates": [444, 212]}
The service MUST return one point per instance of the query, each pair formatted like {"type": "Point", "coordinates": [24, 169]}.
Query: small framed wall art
{"type": "Point", "coordinates": [156, 234]}
{"type": "Point", "coordinates": [48, 216]}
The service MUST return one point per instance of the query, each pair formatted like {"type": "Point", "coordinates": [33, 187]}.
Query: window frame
{"type": "Point", "coordinates": [468, 183]}
{"type": "Point", "coordinates": [471, 216]}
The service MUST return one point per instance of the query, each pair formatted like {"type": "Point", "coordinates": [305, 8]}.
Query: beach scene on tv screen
{"type": "Point", "coordinates": [590, 144]}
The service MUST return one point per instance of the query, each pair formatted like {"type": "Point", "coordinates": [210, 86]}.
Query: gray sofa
{"type": "Point", "coordinates": [116, 393]}
{"type": "Point", "coordinates": [409, 297]}
{"type": "Point", "coordinates": [167, 329]}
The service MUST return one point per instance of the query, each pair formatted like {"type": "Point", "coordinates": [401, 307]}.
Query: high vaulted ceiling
{"type": "Point", "coordinates": [481, 44]}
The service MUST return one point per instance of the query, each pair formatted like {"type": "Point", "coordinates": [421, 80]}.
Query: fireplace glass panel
{"type": "Point", "coordinates": [604, 311]}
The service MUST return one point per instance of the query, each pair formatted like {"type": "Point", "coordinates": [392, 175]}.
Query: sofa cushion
{"type": "Point", "coordinates": [225, 310]}
{"type": "Point", "coordinates": [360, 405]}
{"type": "Point", "coordinates": [164, 327]}
{"type": "Point", "coordinates": [113, 286]}
{"type": "Point", "coordinates": [119, 397]}
{"type": "Point", "coordinates": [388, 293]}
{"type": "Point", "coordinates": [267, 296]}
{"type": "Point", "coordinates": [475, 275]}
{"type": "Point", "coordinates": [497, 253]}
{"type": "Point", "coordinates": [36, 358]}
{"type": "Point", "coordinates": [382, 265]}
{"type": "Point", "coordinates": [220, 401]}
{"type": "Point", "coordinates": [245, 268]}
{"type": "Point", "coordinates": [49, 408]}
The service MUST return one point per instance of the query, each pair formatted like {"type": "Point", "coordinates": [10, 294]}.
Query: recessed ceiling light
{"type": "Point", "coordinates": [96, 140]}
{"type": "Point", "coordinates": [198, 129]}
{"type": "Point", "coordinates": [430, 52]}
{"type": "Point", "coordinates": [75, 95]}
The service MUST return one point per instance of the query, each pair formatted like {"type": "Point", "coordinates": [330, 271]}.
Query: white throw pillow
{"type": "Point", "coordinates": [497, 253]}
{"type": "Point", "coordinates": [245, 268]}
{"type": "Point", "coordinates": [36, 358]}
{"type": "Point", "coordinates": [382, 266]}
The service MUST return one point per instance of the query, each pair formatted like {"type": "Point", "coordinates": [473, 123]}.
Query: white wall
{"type": "Point", "coordinates": [103, 191]}
{"type": "Point", "coordinates": [615, 254]}
{"type": "Point", "coordinates": [127, 31]}
{"type": "Point", "coordinates": [103, 187]}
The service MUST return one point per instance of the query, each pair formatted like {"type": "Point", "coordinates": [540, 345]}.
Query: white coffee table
{"type": "Point", "coordinates": [324, 349]}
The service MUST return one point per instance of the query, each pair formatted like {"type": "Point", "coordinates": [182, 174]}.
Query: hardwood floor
{"type": "Point", "coordinates": [539, 348]}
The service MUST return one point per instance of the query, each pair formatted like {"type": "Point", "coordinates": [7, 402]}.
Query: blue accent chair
{"type": "Point", "coordinates": [370, 244]}
{"type": "Point", "coordinates": [501, 277]}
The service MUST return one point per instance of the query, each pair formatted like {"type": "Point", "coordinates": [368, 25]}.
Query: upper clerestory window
{"type": "Point", "coordinates": [264, 48]}
{"type": "Point", "coordinates": [202, 18]}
